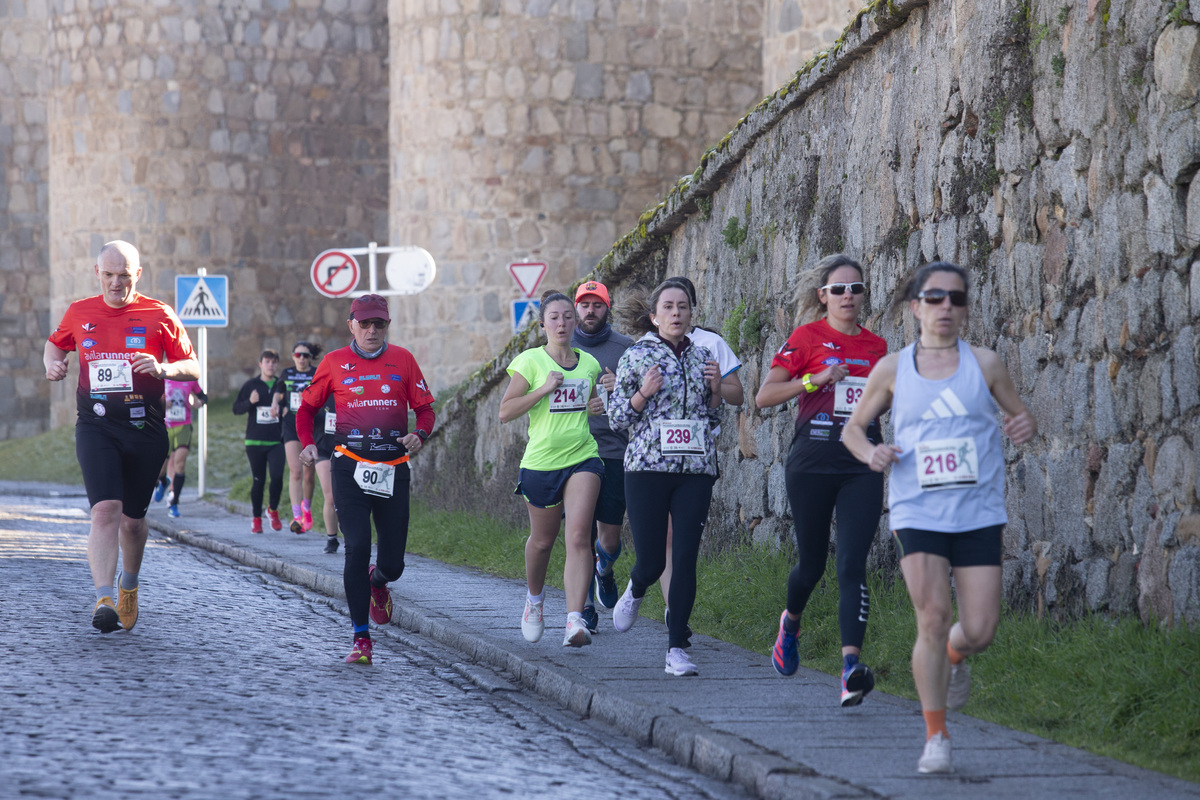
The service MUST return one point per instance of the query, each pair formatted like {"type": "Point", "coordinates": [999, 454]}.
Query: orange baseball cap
{"type": "Point", "coordinates": [593, 288]}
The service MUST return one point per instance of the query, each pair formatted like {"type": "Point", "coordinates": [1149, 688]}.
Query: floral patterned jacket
{"type": "Point", "coordinates": [684, 395]}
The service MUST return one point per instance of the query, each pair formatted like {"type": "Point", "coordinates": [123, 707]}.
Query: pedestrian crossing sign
{"type": "Point", "coordinates": [524, 312]}
{"type": "Point", "coordinates": [202, 300]}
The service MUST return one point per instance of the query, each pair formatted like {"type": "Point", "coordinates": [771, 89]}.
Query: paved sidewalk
{"type": "Point", "coordinates": [739, 721]}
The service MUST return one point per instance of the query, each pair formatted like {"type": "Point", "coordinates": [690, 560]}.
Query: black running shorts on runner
{"type": "Point", "coordinates": [610, 505]}
{"type": "Point", "coordinates": [120, 462]}
{"type": "Point", "coordinates": [289, 429]}
{"type": "Point", "coordinates": [545, 488]}
{"type": "Point", "coordinates": [983, 547]}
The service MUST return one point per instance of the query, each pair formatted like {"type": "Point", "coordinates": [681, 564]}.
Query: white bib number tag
{"type": "Point", "coordinates": [570, 396]}
{"type": "Point", "coordinates": [846, 394]}
{"type": "Point", "coordinates": [330, 422]}
{"type": "Point", "coordinates": [602, 393]}
{"type": "Point", "coordinates": [375, 478]}
{"type": "Point", "coordinates": [681, 437]}
{"type": "Point", "coordinates": [294, 401]}
{"type": "Point", "coordinates": [176, 414]}
{"type": "Point", "coordinates": [947, 464]}
{"type": "Point", "coordinates": [110, 375]}
{"type": "Point", "coordinates": [262, 415]}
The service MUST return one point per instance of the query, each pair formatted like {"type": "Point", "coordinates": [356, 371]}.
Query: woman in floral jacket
{"type": "Point", "coordinates": [667, 393]}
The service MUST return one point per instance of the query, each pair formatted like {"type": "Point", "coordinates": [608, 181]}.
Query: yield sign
{"type": "Point", "coordinates": [527, 274]}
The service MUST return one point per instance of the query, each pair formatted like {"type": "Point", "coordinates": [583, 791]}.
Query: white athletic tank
{"type": "Point", "coordinates": [951, 472]}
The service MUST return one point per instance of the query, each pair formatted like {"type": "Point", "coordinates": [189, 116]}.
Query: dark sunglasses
{"type": "Point", "coordinates": [377, 324]}
{"type": "Point", "coordinates": [302, 355]}
{"type": "Point", "coordinates": [858, 287]}
{"type": "Point", "coordinates": [934, 297]}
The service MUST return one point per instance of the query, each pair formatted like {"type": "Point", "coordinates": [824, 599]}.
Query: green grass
{"type": "Point", "coordinates": [1116, 688]}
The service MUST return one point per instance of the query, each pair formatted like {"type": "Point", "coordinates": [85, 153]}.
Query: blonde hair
{"type": "Point", "coordinates": [808, 290]}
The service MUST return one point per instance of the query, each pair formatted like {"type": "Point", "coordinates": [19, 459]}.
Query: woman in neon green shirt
{"type": "Point", "coordinates": [561, 470]}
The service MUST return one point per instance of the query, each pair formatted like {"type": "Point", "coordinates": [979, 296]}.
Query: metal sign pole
{"type": "Point", "coordinates": [372, 248]}
{"type": "Point", "coordinates": [203, 442]}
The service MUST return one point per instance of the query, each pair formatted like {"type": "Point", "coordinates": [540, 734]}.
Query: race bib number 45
{"type": "Point", "coordinates": [110, 375]}
{"type": "Point", "coordinates": [570, 396]}
{"type": "Point", "coordinates": [846, 394]}
{"type": "Point", "coordinates": [947, 464]}
{"type": "Point", "coordinates": [681, 437]}
{"type": "Point", "coordinates": [263, 416]}
{"type": "Point", "coordinates": [375, 479]}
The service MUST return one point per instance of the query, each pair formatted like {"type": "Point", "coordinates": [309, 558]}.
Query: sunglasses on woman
{"type": "Point", "coordinates": [934, 297]}
{"type": "Point", "coordinates": [858, 287]}
{"type": "Point", "coordinates": [302, 355]}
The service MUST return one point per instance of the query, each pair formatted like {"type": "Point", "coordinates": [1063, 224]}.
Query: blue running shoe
{"type": "Point", "coordinates": [173, 511]}
{"type": "Point", "coordinates": [784, 656]}
{"type": "Point", "coordinates": [604, 588]}
{"type": "Point", "coordinates": [591, 619]}
{"type": "Point", "coordinates": [857, 683]}
{"type": "Point", "coordinates": [160, 490]}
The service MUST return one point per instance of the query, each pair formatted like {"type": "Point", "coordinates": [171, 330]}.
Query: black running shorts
{"type": "Point", "coordinates": [983, 547]}
{"type": "Point", "coordinates": [120, 462]}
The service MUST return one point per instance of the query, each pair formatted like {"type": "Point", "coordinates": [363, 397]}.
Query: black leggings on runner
{"type": "Point", "coordinates": [262, 456]}
{"type": "Point", "coordinates": [355, 509]}
{"type": "Point", "coordinates": [858, 498]}
{"type": "Point", "coordinates": [650, 497]}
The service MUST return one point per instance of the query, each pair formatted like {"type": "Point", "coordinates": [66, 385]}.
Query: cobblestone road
{"type": "Point", "coordinates": [232, 685]}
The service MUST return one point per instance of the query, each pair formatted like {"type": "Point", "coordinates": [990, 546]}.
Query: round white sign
{"type": "Point", "coordinates": [410, 270]}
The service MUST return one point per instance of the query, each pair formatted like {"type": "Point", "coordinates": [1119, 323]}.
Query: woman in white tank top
{"type": "Point", "coordinates": [946, 490]}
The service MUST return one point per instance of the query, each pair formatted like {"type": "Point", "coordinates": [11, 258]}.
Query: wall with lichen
{"type": "Point", "coordinates": [1050, 147]}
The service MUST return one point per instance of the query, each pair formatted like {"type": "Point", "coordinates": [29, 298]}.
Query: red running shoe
{"type": "Point", "coordinates": [256, 525]}
{"type": "Point", "coordinates": [361, 654]}
{"type": "Point", "coordinates": [306, 520]}
{"type": "Point", "coordinates": [381, 602]}
{"type": "Point", "coordinates": [273, 515]}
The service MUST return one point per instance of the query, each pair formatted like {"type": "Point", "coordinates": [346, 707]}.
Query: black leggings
{"type": "Point", "coordinates": [650, 497]}
{"type": "Point", "coordinates": [355, 508]}
{"type": "Point", "coordinates": [858, 498]}
{"type": "Point", "coordinates": [262, 456]}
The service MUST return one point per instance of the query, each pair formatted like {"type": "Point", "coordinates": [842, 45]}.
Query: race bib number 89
{"type": "Point", "coordinates": [681, 437]}
{"type": "Point", "coordinates": [110, 375]}
{"type": "Point", "coordinates": [570, 396]}
{"type": "Point", "coordinates": [947, 464]}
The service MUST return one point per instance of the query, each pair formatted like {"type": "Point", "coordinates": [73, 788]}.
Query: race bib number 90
{"type": "Point", "coordinates": [947, 464]}
{"type": "Point", "coordinates": [375, 479]}
{"type": "Point", "coordinates": [570, 396]}
{"type": "Point", "coordinates": [681, 437]}
{"type": "Point", "coordinates": [846, 394]}
{"type": "Point", "coordinates": [110, 375]}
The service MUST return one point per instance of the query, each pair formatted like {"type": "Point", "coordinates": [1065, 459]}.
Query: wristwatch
{"type": "Point", "coordinates": [422, 434]}
{"type": "Point", "coordinates": [809, 386]}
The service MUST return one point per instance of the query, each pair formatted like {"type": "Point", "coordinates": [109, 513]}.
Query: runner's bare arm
{"type": "Point", "coordinates": [55, 361]}
{"type": "Point", "coordinates": [778, 388]}
{"type": "Point", "coordinates": [518, 399]}
{"type": "Point", "coordinates": [1019, 424]}
{"type": "Point", "coordinates": [732, 391]}
{"type": "Point", "coordinates": [185, 370]}
{"type": "Point", "coordinates": [876, 398]}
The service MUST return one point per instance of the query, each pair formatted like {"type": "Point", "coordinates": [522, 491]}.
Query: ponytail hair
{"type": "Point", "coordinates": [916, 282]}
{"type": "Point", "coordinates": [551, 296]}
{"type": "Point", "coordinates": [315, 349]}
{"type": "Point", "coordinates": [807, 298]}
{"type": "Point", "coordinates": [635, 314]}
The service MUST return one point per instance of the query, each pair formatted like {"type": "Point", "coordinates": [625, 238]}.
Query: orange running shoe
{"type": "Point", "coordinates": [104, 616]}
{"type": "Point", "coordinates": [127, 607]}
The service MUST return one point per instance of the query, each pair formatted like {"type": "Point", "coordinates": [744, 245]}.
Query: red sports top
{"type": "Point", "coordinates": [106, 338]}
{"type": "Point", "coordinates": [817, 446]}
{"type": "Point", "coordinates": [371, 398]}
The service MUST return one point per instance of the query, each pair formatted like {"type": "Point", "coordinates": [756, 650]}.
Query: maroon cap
{"type": "Point", "coordinates": [370, 306]}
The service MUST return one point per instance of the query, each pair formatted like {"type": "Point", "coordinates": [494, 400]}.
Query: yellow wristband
{"type": "Point", "coordinates": [809, 386]}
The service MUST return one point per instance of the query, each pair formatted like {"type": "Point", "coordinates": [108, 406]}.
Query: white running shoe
{"type": "Point", "coordinates": [960, 686]}
{"type": "Point", "coordinates": [626, 611]}
{"type": "Point", "coordinates": [936, 758]}
{"type": "Point", "coordinates": [532, 625]}
{"type": "Point", "coordinates": [578, 634]}
{"type": "Point", "coordinates": [678, 663]}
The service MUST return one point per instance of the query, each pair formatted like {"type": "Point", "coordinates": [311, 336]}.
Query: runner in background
{"type": "Point", "coordinates": [946, 491]}
{"type": "Point", "coordinates": [561, 470]}
{"type": "Point", "coordinates": [825, 363]}
{"type": "Point", "coordinates": [596, 337]}
{"type": "Point", "coordinates": [301, 478]}
{"type": "Point", "coordinates": [264, 439]}
{"type": "Point", "coordinates": [180, 398]}
{"type": "Point", "coordinates": [666, 396]}
{"type": "Point", "coordinates": [128, 344]}
{"type": "Point", "coordinates": [373, 385]}
{"type": "Point", "coordinates": [732, 393]}
{"type": "Point", "coordinates": [324, 428]}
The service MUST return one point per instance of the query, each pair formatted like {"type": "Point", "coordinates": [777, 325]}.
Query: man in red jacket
{"type": "Point", "coordinates": [373, 384]}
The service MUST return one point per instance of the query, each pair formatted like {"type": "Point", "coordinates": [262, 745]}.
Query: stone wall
{"type": "Point", "coordinates": [244, 138]}
{"type": "Point", "coordinates": [793, 32]}
{"type": "Point", "coordinates": [24, 228]}
{"type": "Point", "coordinates": [532, 130]}
{"type": "Point", "coordinates": [1051, 148]}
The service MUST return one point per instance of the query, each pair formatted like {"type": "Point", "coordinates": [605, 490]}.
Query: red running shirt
{"type": "Point", "coordinates": [106, 338]}
{"type": "Point", "coordinates": [817, 446]}
{"type": "Point", "coordinates": [372, 397]}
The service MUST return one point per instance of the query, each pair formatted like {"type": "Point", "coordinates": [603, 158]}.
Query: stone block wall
{"type": "Point", "coordinates": [794, 30]}
{"type": "Point", "coordinates": [531, 130]}
{"type": "Point", "coordinates": [1049, 147]}
{"type": "Point", "coordinates": [24, 225]}
{"type": "Point", "coordinates": [244, 138]}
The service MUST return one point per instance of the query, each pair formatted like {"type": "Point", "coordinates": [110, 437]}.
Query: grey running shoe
{"type": "Point", "coordinates": [626, 611]}
{"type": "Point", "coordinates": [331, 544]}
{"type": "Point", "coordinates": [532, 625]}
{"type": "Point", "coordinates": [960, 686]}
{"type": "Point", "coordinates": [678, 663]}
